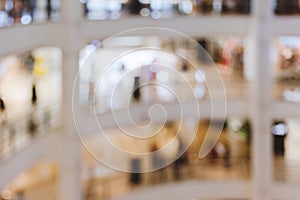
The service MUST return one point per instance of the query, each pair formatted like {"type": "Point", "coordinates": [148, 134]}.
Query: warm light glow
{"type": "Point", "coordinates": [6, 194]}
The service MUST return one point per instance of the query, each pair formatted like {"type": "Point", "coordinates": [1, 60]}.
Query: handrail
{"type": "Point", "coordinates": [119, 183]}
{"type": "Point", "coordinates": [18, 134]}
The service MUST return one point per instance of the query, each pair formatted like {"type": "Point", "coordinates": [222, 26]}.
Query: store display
{"type": "Point", "coordinates": [289, 59]}
{"type": "Point", "coordinates": [236, 7]}
{"type": "Point", "coordinates": [28, 11]}
{"type": "Point", "coordinates": [287, 7]}
{"type": "Point", "coordinates": [161, 9]}
{"type": "Point", "coordinates": [204, 6]}
{"type": "Point", "coordinates": [166, 8]}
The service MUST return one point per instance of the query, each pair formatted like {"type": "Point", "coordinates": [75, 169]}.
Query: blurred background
{"type": "Point", "coordinates": [55, 57]}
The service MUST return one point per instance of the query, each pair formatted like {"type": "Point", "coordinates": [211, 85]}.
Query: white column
{"type": "Point", "coordinates": [258, 71]}
{"type": "Point", "coordinates": [70, 183]}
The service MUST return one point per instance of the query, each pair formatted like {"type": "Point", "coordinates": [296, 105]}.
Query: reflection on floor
{"type": "Point", "coordinates": [286, 170]}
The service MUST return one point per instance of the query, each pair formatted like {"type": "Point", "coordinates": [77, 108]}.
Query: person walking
{"type": "Point", "coordinates": [34, 95]}
{"type": "Point", "coordinates": [136, 89]}
{"type": "Point", "coordinates": [2, 111]}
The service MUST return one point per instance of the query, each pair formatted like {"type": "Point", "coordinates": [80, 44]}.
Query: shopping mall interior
{"type": "Point", "coordinates": [149, 99]}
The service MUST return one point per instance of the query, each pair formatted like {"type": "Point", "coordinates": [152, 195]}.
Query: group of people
{"type": "Point", "coordinates": [167, 156]}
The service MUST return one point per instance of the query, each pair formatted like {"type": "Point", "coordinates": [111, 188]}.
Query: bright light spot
{"type": "Point", "coordinates": [156, 5]}
{"type": "Point", "coordinates": [200, 76]}
{"type": "Point", "coordinates": [137, 59]}
{"type": "Point", "coordinates": [26, 19]}
{"type": "Point", "coordinates": [9, 5]}
{"type": "Point", "coordinates": [156, 14]}
{"type": "Point", "coordinates": [236, 125]}
{"type": "Point", "coordinates": [3, 18]}
{"type": "Point", "coordinates": [186, 7]}
{"type": "Point", "coordinates": [217, 5]}
{"type": "Point", "coordinates": [279, 129]}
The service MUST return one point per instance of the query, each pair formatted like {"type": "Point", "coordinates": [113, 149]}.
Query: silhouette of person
{"type": "Point", "coordinates": [34, 95]}
{"type": "Point", "coordinates": [136, 89]}
{"type": "Point", "coordinates": [2, 111]}
{"type": "Point", "coordinates": [134, 7]}
{"type": "Point", "coordinates": [32, 126]}
{"type": "Point", "coordinates": [2, 105]}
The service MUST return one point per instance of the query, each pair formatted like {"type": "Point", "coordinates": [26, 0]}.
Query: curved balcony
{"type": "Point", "coordinates": [193, 178]}
{"type": "Point", "coordinates": [17, 134]}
